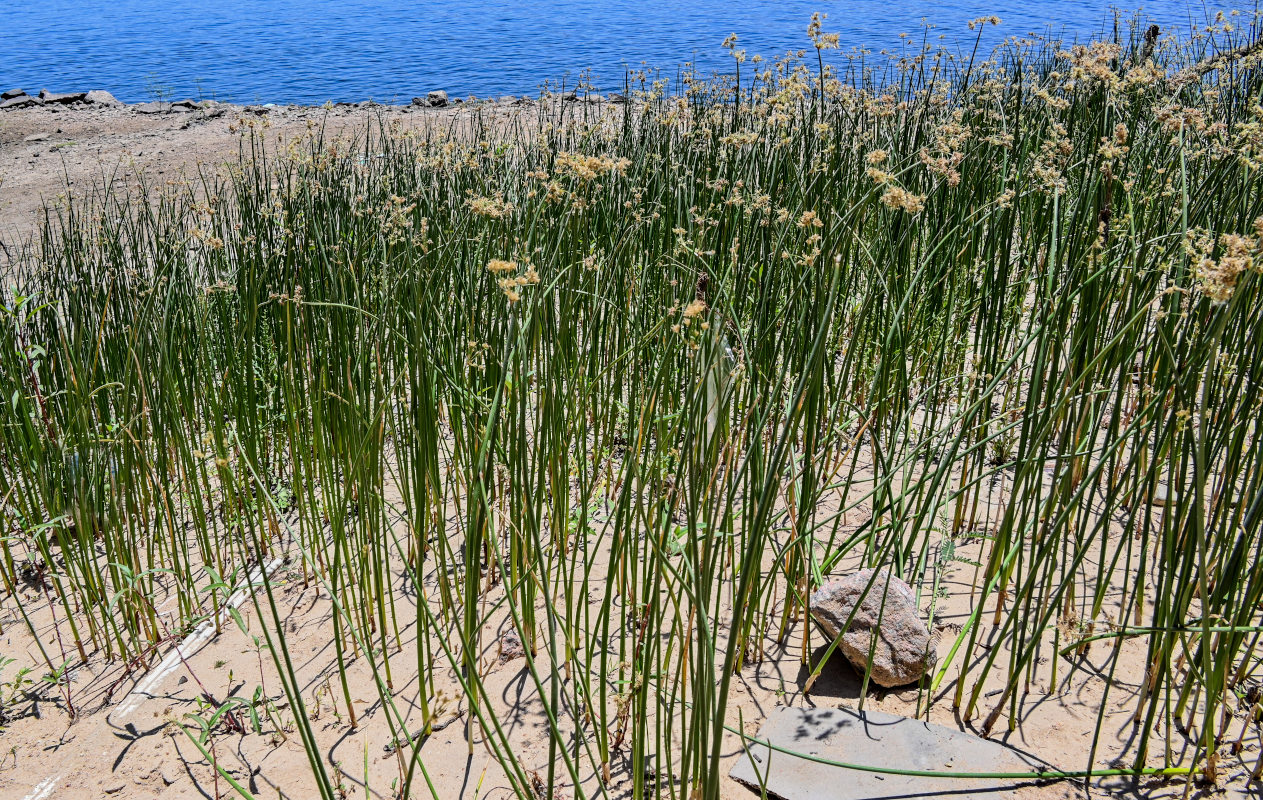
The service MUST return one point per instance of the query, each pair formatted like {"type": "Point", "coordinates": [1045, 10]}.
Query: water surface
{"type": "Point", "coordinates": [310, 51]}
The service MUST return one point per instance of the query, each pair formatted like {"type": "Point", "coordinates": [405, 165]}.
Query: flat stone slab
{"type": "Point", "coordinates": [872, 738]}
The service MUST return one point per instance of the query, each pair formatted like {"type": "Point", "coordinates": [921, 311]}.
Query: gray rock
{"type": "Point", "coordinates": [259, 110]}
{"type": "Point", "coordinates": [615, 97]}
{"type": "Point", "coordinates": [22, 101]}
{"type": "Point", "coordinates": [874, 739]}
{"type": "Point", "coordinates": [436, 99]}
{"type": "Point", "coordinates": [63, 98]}
{"type": "Point", "coordinates": [152, 107]}
{"type": "Point", "coordinates": [570, 97]}
{"type": "Point", "coordinates": [101, 98]}
{"type": "Point", "coordinates": [595, 98]}
{"type": "Point", "coordinates": [184, 105]}
{"type": "Point", "coordinates": [506, 98]}
{"type": "Point", "coordinates": [37, 137]}
{"type": "Point", "coordinates": [902, 650]}
{"type": "Point", "coordinates": [420, 101]}
{"type": "Point", "coordinates": [12, 93]}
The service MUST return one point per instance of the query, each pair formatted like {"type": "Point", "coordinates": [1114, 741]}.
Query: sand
{"type": "Point", "coordinates": [124, 741]}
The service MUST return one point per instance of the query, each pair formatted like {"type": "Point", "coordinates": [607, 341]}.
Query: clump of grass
{"type": "Point", "coordinates": [632, 382]}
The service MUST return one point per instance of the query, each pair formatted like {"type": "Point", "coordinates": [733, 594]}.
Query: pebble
{"type": "Point", "coordinates": [1162, 496]}
{"type": "Point", "coordinates": [511, 647]}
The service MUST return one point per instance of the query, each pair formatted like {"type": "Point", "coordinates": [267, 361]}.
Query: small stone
{"type": "Point", "coordinates": [903, 651]}
{"type": "Point", "coordinates": [595, 98]}
{"type": "Point", "coordinates": [62, 98]}
{"type": "Point", "coordinates": [420, 101]}
{"type": "Point", "coordinates": [21, 101]}
{"type": "Point", "coordinates": [152, 107]}
{"type": "Point", "coordinates": [36, 137]}
{"type": "Point", "coordinates": [506, 98]}
{"type": "Point", "coordinates": [12, 93]}
{"type": "Point", "coordinates": [436, 99]}
{"type": "Point", "coordinates": [1164, 496]}
{"type": "Point", "coordinates": [114, 787]}
{"type": "Point", "coordinates": [101, 98]}
{"type": "Point", "coordinates": [615, 97]}
{"type": "Point", "coordinates": [260, 110]}
{"type": "Point", "coordinates": [184, 105]}
{"type": "Point", "coordinates": [511, 647]}
{"type": "Point", "coordinates": [570, 97]}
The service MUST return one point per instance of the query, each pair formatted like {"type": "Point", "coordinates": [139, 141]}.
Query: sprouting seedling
{"type": "Point", "coordinates": [12, 691]}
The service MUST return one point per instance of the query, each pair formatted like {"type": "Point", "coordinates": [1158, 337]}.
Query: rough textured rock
{"type": "Point", "coordinates": [510, 647]}
{"type": "Point", "coordinates": [152, 107]}
{"type": "Point", "coordinates": [64, 98]}
{"type": "Point", "coordinates": [21, 102]}
{"type": "Point", "coordinates": [616, 97]}
{"type": "Point", "coordinates": [101, 98]}
{"type": "Point", "coordinates": [903, 651]}
{"type": "Point", "coordinates": [12, 93]}
{"type": "Point", "coordinates": [570, 97]}
{"type": "Point", "coordinates": [211, 111]}
{"type": "Point", "coordinates": [436, 99]}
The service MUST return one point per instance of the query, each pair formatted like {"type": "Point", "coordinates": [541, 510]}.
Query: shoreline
{"type": "Point", "coordinates": [52, 148]}
{"type": "Point", "coordinates": [19, 99]}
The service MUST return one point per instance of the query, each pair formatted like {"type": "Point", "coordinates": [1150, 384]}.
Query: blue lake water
{"type": "Point", "coordinates": [310, 51]}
